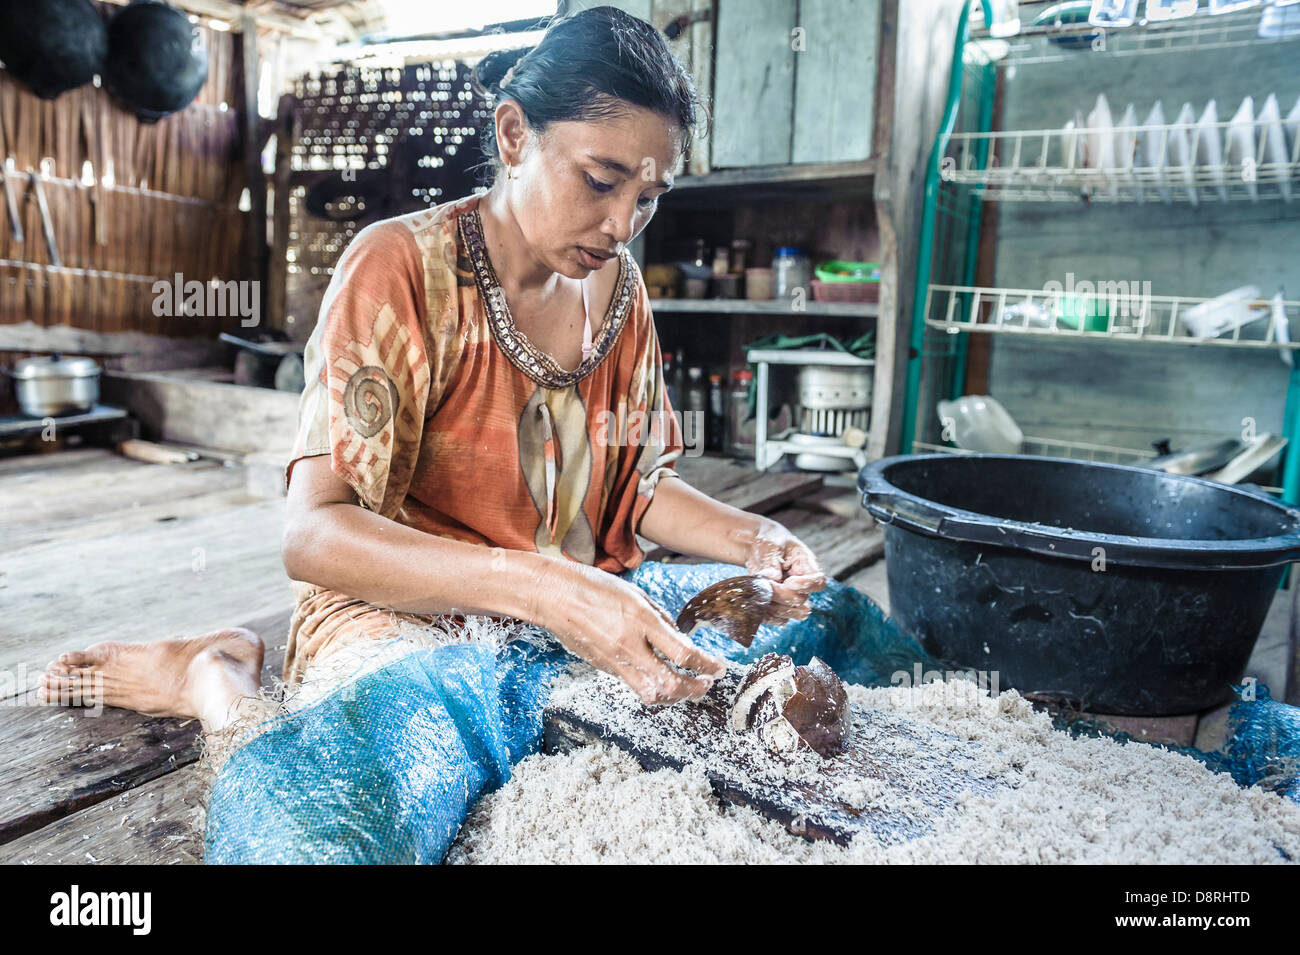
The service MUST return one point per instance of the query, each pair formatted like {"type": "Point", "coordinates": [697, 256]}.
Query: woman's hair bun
{"type": "Point", "coordinates": [491, 70]}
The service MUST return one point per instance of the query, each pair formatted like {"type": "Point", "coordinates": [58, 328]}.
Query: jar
{"type": "Point", "coordinates": [791, 270]}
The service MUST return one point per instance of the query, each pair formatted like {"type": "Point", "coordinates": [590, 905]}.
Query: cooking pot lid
{"type": "Point", "coordinates": [55, 366]}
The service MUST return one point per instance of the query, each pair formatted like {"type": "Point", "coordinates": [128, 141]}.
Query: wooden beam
{"type": "Point", "coordinates": [29, 337]}
{"type": "Point", "coordinates": [257, 251]}
{"type": "Point", "coordinates": [235, 13]}
{"type": "Point", "coordinates": [281, 217]}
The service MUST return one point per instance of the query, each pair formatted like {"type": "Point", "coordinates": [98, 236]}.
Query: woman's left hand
{"type": "Point", "coordinates": [777, 554]}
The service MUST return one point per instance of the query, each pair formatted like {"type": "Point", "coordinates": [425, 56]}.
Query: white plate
{"type": "Point", "coordinates": [1101, 145]}
{"type": "Point", "coordinates": [1292, 124]}
{"type": "Point", "coordinates": [1241, 146]}
{"type": "Point", "coordinates": [1126, 144]}
{"type": "Point", "coordinates": [1209, 148]}
{"type": "Point", "coordinates": [1153, 145]}
{"type": "Point", "coordinates": [1274, 144]}
{"type": "Point", "coordinates": [1182, 149]}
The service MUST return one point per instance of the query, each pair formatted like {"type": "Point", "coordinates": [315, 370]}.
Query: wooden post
{"type": "Point", "coordinates": [277, 280]}
{"type": "Point", "coordinates": [257, 251]}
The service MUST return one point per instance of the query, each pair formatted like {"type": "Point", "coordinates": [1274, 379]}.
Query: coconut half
{"type": "Point", "coordinates": [792, 707]}
{"type": "Point", "coordinates": [736, 606]}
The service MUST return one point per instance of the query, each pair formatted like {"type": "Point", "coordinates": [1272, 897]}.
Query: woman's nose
{"type": "Point", "coordinates": [619, 227]}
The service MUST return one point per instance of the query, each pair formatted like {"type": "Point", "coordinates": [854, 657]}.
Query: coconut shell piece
{"type": "Point", "coordinates": [735, 606]}
{"type": "Point", "coordinates": [792, 708]}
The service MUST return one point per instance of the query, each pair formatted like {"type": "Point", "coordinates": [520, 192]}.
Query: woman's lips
{"type": "Point", "coordinates": [590, 259]}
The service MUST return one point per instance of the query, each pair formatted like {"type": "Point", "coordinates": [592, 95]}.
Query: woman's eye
{"type": "Point", "coordinates": [646, 203]}
{"type": "Point", "coordinates": [598, 185]}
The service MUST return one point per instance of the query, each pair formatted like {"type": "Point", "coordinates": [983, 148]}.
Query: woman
{"type": "Point", "coordinates": [485, 428]}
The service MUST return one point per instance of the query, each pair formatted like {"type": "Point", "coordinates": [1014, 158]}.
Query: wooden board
{"type": "Point", "coordinates": [159, 823]}
{"type": "Point", "coordinates": [753, 83]}
{"type": "Point", "coordinates": [43, 501]}
{"type": "Point", "coordinates": [897, 778]}
{"type": "Point", "coordinates": [835, 80]}
{"type": "Point", "coordinates": [214, 414]}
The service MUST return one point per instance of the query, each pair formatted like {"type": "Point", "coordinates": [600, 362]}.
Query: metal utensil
{"type": "Point", "coordinates": [47, 224]}
{"type": "Point", "coordinates": [1197, 460]}
{"type": "Point", "coordinates": [735, 606]}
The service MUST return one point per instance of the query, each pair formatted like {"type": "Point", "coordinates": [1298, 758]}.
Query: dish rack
{"type": "Point", "coordinates": [973, 163]}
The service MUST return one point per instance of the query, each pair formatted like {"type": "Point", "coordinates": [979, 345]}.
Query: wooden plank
{"type": "Point", "coordinates": [835, 80]}
{"type": "Point", "coordinates": [896, 778]}
{"type": "Point", "coordinates": [107, 497]}
{"type": "Point", "coordinates": [211, 414]}
{"type": "Point", "coordinates": [159, 823]}
{"type": "Point", "coordinates": [282, 215]}
{"type": "Point", "coordinates": [58, 761]}
{"type": "Point", "coordinates": [753, 83]}
{"type": "Point", "coordinates": [132, 347]}
{"type": "Point", "coordinates": [702, 46]}
{"type": "Point", "coordinates": [844, 175]}
{"type": "Point", "coordinates": [737, 306]}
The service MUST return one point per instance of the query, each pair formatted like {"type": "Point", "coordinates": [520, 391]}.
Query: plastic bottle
{"type": "Point", "coordinates": [695, 417]}
{"type": "Point", "coordinates": [715, 434]}
{"type": "Point", "coordinates": [671, 379]}
{"type": "Point", "coordinates": [740, 441]}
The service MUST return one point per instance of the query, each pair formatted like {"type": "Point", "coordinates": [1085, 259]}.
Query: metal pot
{"type": "Point", "coordinates": [56, 385]}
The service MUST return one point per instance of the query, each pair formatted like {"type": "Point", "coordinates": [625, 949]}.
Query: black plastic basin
{"type": "Point", "coordinates": [1121, 589]}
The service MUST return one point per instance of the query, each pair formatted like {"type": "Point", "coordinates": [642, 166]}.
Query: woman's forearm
{"type": "Point", "coordinates": [688, 521]}
{"type": "Point", "coordinates": [347, 548]}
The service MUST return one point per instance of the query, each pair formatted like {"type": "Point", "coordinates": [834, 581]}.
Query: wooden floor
{"type": "Point", "coordinates": [101, 547]}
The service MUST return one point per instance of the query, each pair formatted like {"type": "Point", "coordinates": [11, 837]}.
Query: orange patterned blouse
{"type": "Point", "coordinates": [442, 416]}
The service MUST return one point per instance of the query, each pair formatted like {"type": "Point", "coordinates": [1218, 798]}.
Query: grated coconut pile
{"type": "Point", "coordinates": [1061, 800]}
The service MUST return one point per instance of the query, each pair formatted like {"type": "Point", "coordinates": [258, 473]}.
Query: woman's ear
{"type": "Point", "coordinates": [512, 132]}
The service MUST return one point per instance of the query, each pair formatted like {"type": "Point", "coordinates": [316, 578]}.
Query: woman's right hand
{"type": "Point", "coordinates": [616, 627]}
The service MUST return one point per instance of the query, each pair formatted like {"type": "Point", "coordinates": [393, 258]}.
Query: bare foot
{"type": "Point", "coordinates": [194, 677]}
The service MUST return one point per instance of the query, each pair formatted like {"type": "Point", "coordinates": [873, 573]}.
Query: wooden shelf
{"type": "Point", "coordinates": [825, 182]}
{"type": "Point", "coordinates": [741, 306]}
{"type": "Point", "coordinates": [790, 173]}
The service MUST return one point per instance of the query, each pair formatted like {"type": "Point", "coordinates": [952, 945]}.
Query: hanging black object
{"type": "Point", "coordinates": [156, 60]}
{"type": "Point", "coordinates": [52, 46]}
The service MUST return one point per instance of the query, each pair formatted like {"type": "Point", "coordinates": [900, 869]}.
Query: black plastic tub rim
{"type": "Point", "coordinates": [891, 505]}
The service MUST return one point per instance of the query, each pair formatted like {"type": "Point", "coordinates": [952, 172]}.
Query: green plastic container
{"type": "Point", "coordinates": [1088, 311]}
{"type": "Point", "coordinates": [838, 271]}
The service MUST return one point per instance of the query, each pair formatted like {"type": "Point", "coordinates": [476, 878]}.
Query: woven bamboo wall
{"type": "Point", "coordinates": [164, 201]}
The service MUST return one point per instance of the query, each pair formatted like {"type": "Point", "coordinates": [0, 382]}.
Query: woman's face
{"type": "Point", "coordinates": [583, 189]}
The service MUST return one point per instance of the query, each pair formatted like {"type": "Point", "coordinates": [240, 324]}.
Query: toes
{"type": "Point", "coordinates": [97, 653]}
